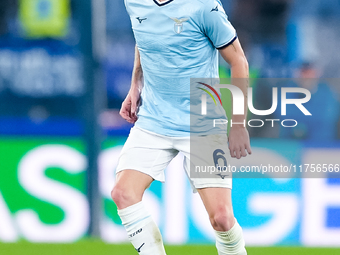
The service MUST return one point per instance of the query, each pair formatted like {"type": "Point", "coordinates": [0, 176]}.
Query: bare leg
{"type": "Point", "coordinates": [217, 202]}
{"type": "Point", "coordinates": [130, 187]}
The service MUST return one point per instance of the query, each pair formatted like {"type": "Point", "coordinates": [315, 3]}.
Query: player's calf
{"type": "Point", "coordinates": [142, 231]}
{"type": "Point", "coordinates": [231, 242]}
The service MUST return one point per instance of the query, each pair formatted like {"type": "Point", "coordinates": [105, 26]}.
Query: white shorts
{"type": "Point", "coordinates": [151, 153]}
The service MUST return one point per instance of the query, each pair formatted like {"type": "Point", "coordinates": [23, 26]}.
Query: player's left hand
{"type": "Point", "coordinates": [239, 143]}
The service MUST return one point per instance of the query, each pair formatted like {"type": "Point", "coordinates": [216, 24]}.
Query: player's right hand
{"type": "Point", "coordinates": [130, 105]}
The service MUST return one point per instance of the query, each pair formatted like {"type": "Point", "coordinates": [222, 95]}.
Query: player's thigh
{"type": "Point", "coordinates": [129, 188]}
{"type": "Point", "coordinates": [133, 180]}
{"type": "Point", "coordinates": [216, 199]}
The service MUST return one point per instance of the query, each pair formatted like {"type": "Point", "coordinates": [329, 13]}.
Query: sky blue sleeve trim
{"type": "Point", "coordinates": [227, 44]}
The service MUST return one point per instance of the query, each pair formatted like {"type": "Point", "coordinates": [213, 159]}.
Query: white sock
{"type": "Point", "coordinates": [142, 231]}
{"type": "Point", "coordinates": [231, 242]}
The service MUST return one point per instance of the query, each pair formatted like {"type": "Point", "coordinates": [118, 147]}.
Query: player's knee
{"type": "Point", "coordinates": [115, 194]}
{"type": "Point", "coordinates": [122, 197]}
{"type": "Point", "coordinates": [222, 219]}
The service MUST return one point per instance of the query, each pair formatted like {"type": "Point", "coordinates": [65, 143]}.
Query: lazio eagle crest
{"type": "Point", "coordinates": [179, 24]}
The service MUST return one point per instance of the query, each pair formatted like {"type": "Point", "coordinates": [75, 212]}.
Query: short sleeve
{"type": "Point", "coordinates": [216, 25]}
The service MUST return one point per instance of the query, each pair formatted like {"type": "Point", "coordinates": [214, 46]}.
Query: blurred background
{"type": "Point", "coordinates": [65, 68]}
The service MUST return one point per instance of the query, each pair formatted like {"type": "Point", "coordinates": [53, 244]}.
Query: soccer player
{"type": "Point", "coordinates": [177, 40]}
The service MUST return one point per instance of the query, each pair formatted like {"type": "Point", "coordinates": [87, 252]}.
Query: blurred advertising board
{"type": "Point", "coordinates": [40, 69]}
{"type": "Point", "coordinates": [42, 195]}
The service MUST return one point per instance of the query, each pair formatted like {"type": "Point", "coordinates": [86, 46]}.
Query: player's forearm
{"type": "Point", "coordinates": [137, 73]}
{"type": "Point", "coordinates": [234, 56]}
{"type": "Point", "coordinates": [240, 78]}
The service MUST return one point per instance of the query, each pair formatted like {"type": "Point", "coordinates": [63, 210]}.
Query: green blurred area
{"type": "Point", "coordinates": [16, 197]}
{"type": "Point", "coordinates": [44, 18]}
{"type": "Point", "coordinates": [91, 247]}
